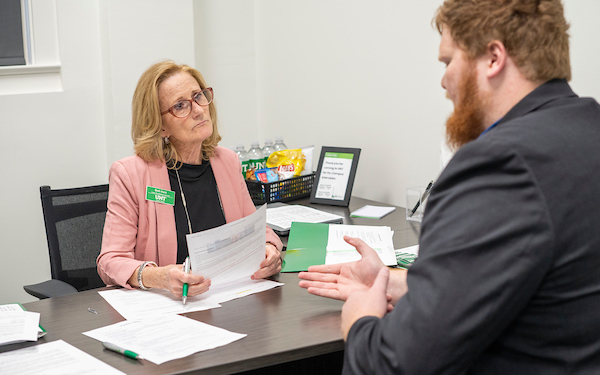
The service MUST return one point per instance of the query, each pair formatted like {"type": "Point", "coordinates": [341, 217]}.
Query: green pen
{"type": "Point", "coordinates": [186, 269]}
{"type": "Point", "coordinates": [117, 349]}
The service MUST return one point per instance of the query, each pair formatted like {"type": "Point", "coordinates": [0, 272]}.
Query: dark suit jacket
{"type": "Point", "coordinates": [508, 276]}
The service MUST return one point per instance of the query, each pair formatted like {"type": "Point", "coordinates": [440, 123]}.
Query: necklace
{"type": "Point", "coordinates": [183, 201]}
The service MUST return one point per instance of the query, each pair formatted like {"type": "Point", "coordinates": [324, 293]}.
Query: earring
{"type": "Point", "coordinates": [166, 139]}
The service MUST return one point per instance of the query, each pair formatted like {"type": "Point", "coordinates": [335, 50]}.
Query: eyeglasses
{"type": "Point", "coordinates": [184, 107]}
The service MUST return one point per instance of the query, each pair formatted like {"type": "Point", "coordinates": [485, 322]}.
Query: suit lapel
{"type": "Point", "coordinates": [165, 217]}
{"type": "Point", "coordinates": [231, 210]}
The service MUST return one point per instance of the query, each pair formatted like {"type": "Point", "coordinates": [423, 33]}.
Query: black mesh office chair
{"type": "Point", "coordinates": [74, 221]}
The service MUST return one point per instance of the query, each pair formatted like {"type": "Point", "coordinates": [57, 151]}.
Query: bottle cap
{"type": "Point", "coordinates": [239, 146]}
{"type": "Point", "coordinates": [268, 141]}
{"type": "Point", "coordinates": [255, 144]}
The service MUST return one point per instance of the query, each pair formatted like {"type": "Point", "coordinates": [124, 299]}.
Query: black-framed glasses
{"type": "Point", "coordinates": [184, 107]}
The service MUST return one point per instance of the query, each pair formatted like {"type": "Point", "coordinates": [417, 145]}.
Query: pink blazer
{"type": "Point", "coordinates": [137, 230]}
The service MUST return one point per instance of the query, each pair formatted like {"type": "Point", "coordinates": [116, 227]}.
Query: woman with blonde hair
{"type": "Point", "coordinates": [175, 135]}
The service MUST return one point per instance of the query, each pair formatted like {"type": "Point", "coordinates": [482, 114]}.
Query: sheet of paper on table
{"type": "Point", "coordinates": [164, 338]}
{"type": "Point", "coordinates": [53, 358]}
{"type": "Point", "coordinates": [139, 304]}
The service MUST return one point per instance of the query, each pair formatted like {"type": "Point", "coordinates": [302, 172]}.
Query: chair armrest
{"type": "Point", "coordinates": [50, 288]}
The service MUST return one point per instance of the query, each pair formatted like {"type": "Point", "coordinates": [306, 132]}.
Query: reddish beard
{"type": "Point", "coordinates": [467, 121]}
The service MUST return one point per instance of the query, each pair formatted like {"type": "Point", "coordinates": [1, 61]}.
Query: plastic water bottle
{"type": "Point", "coordinates": [239, 149]}
{"type": "Point", "coordinates": [268, 149]}
{"type": "Point", "coordinates": [256, 157]}
{"type": "Point", "coordinates": [279, 145]}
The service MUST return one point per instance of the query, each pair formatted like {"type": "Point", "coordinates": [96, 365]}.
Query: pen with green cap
{"type": "Point", "coordinates": [118, 349]}
{"type": "Point", "coordinates": [186, 269]}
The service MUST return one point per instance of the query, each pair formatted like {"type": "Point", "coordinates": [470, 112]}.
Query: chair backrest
{"type": "Point", "coordinates": [74, 221]}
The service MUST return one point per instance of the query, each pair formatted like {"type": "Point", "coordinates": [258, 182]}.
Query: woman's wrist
{"type": "Point", "coordinates": [275, 247]}
{"type": "Point", "coordinates": [140, 275]}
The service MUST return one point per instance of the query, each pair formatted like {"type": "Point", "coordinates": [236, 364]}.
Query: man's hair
{"type": "Point", "coordinates": [146, 124]}
{"type": "Point", "coordinates": [534, 32]}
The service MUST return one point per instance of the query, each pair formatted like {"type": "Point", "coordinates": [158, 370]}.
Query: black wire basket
{"type": "Point", "coordinates": [280, 191]}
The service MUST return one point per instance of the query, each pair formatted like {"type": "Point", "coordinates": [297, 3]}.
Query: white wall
{"type": "Point", "coordinates": [54, 139]}
{"type": "Point", "coordinates": [355, 74]}
{"type": "Point", "coordinates": [584, 31]}
{"type": "Point", "coordinates": [348, 73]}
{"type": "Point", "coordinates": [134, 35]}
{"type": "Point", "coordinates": [69, 138]}
{"type": "Point", "coordinates": [226, 57]}
{"type": "Point", "coordinates": [323, 72]}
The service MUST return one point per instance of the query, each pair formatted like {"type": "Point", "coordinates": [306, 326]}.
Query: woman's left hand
{"type": "Point", "coordinates": [271, 265]}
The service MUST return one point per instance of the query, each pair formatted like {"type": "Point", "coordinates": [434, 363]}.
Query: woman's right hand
{"type": "Point", "coordinates": [171, 278]}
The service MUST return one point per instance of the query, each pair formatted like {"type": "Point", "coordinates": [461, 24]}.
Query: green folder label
{"type": "Point", "coordinates": [160, 195]}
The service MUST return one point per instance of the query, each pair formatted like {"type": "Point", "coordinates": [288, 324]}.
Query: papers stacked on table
{"type": "Point", "coordinates": [372, 212]}
{"type": "Point", "coordinates": [17, 325]}
{"type": "Point", "coordinates": [280, 218]}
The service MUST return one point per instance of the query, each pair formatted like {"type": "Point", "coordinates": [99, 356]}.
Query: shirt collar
{"type": "Point", "coordinates": [489, 128]}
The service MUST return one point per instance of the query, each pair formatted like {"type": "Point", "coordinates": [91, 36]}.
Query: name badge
{"type": "Point", "coordinates": [160, 195]}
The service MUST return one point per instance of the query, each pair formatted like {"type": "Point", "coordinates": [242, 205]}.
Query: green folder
{"type": "Point", "coordinates": [306, 247]}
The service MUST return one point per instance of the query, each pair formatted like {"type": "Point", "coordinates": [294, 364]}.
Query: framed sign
{"type": "Point", "coordinates": [335, 176]}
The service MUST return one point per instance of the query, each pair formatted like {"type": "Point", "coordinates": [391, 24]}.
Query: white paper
{"type": "Point", "coordinates": [139, 304]}
{"type": "Point", "coordinates": [231, 251]}
{"type": "Point", "coordinates": [19, 307]}
{"type": "Point", "coordinates": [56, 357]}
{"type": "Point", "coordinates": [376, 212]}
{"type": "Point", "coordinates": [236, 289]}
{"type": "Point", "coordinates": [377, 237]}
{"type": "Point", "coordinates": [283, 217]}
{"type": "Point", "coordinates": [164, 338]}
{"type": "Point", "coordinates": [17, 326]}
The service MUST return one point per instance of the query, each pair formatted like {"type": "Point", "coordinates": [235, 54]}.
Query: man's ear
{"type": "Point", "coordinates": [496, 58]}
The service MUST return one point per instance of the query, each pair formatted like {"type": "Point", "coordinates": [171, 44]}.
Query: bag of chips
{"type": "Point", "coordinates": [289, 163]}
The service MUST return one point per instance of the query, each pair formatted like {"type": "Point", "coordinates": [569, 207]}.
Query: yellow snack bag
{"type": "Point", "coordinates": [288, 161]}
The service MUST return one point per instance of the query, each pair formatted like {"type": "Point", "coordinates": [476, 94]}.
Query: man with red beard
{"type": "Point", "coordinates": [507, 280]}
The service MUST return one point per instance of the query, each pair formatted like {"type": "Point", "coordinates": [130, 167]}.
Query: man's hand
{"type": "Point", "coordinates": [337, 281]}
{"type": "Point", "coordinates": [370, 302]}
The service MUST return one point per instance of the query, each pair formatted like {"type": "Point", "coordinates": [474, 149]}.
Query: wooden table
{"type": "Point", "coordinates": [289, 331]}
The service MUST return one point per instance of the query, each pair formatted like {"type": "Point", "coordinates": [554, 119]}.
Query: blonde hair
{"type": "Point", "coordinates": [534, 32]}
{"type": "Point", "coordinates": [146, 124]}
